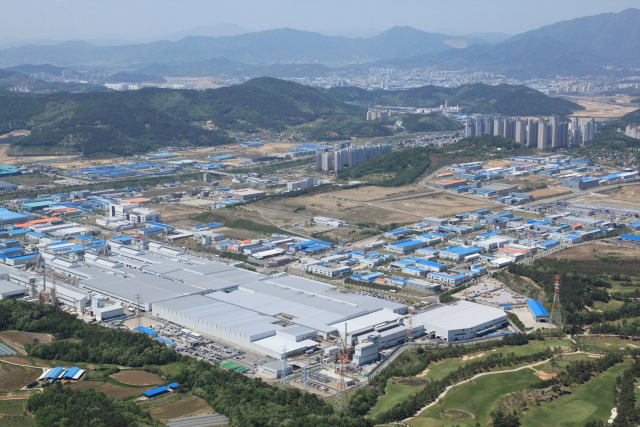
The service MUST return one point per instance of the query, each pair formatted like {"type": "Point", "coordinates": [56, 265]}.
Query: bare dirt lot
{"type": "Point", "coordinates": [631, 192]}
{"type": "Point", "coordinates": [370, 193]}
{"type": "Point", "coordinates": [437, 205]}
{"type": "Point", "coordinates": [351, 212]}
{"type": "Point", "coordinates": [135, 377]}
{"type": "Point", "coordinates": [587, 252]}
{"type": "Point", "coordinates": [174, 212]}
{"type": "Point", "coordinates": [608, 200]}
{"type": "Point", "coordinates": [547, 192]}
{"type": "Point", "coordinates": [600, 109]}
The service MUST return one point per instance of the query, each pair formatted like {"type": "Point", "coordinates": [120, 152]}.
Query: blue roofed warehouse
{"type": "Point", "coordinates": [538, 311]}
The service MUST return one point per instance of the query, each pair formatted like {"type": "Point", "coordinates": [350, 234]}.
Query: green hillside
{"type": "Point", "coordinates": [425, 122]}
{"type": "Point", "coordinates": [504, 99]}
{"type": "Point", "coordinates": [130, 122]}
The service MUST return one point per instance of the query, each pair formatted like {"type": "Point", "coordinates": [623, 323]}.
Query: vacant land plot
{"type": "Point", "coordinates": [600, 109]}
{"type": "Point", "coordinates": [589, 252]}
{"type": "Point", "coordinates": [174, 405]}
{"type": "Point", "coordinates": [108, 389]}
{"type": "Point", "coordinates": [631, 192]}
{"type": "Point", "coordinates": [351, 212]}
{"type": "Point", "coordinates": [370, 193]}
{"type": "Point", "coordinates": [608, 200]}
{"type": "Point", "coordinates": [547, 192]}
{"type": "Point", "coordinates": [344, 234]}
{"type": "Point", "coordinates": [14, 377]}
{"type": "Point", "coordinates": [175, 212]}
{"type": "Point", "coordinates": [437, 205]}
{"type": "Point", "coordinates": [135, 377]}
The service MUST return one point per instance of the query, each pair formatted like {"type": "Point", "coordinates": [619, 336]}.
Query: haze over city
{"type": "Point", "coordinates": [123, 21]}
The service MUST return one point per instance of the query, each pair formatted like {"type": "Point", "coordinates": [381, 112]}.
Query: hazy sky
{"type": "Point", "coordinates": [153, 19]}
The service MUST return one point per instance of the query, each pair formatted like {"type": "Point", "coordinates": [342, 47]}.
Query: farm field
{"type": "Point", "coordinates": [14, 377]}
{"type": "Point", "coordinates": [26, 360]}
{"type": "Point", "coordinates": [138, 378]}
{"type": "Point", "coordinates": [175, 405]}
{"type": "Point", "coordinates": [12, 406]}
{"type": "Point", "coordinates": [19, 339]}
{"type": "Point", "coordinates": [109, 389]}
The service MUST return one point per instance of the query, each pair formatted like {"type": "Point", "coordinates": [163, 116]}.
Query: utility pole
{"type": "Point", "coordinates": [341, 403]}
{"type": "Point", "coordinates": [556, 311]}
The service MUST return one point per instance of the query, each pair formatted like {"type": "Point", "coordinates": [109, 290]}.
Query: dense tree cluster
{"type": "Point", "coordinates": [424, 122]}
{"type": "Point", "coordinates": [132, 122]}
{"type": "Point", "coordinates": [61, 406]}
{"type": "Point", "coordinates": [628, 413]}
{"type": "Point", "coordinates": [394, 169]}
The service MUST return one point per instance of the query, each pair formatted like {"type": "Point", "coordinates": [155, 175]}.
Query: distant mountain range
{"type": "Point", "coordinates": [280, 45]}
{"type": "Point", "coordinates": [581, 46]}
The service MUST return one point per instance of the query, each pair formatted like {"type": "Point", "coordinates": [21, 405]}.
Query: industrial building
{"type": "Point", "coordinates": [538, 311]}
{"type": "Point", "coordinates": [462, 320]}
{"type": "Point", "coordinates": [269, 315]}
{"type": "Point", "coordinates": [245, 194]}
{"type": "Point", "coordinates": [11, 290]}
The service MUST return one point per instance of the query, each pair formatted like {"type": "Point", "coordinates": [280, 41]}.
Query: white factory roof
{"type": "Point", "coordinates": [366, 321]}
{"type": "Point", "coordinates": [459, 315]}
{"type": "Point", "coordinates": [151, 288]}
{"type": "Point", "coordinates": [218, 313]}
{"type": "Point", "coordinates": [7, 286]}
{"type": "Point", "coordinates": [278, 344]}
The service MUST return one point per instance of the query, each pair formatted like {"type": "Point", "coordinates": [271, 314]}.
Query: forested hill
{"type": "Point", "coordinates": [504, 99]}
{"type": "Point", "coordinates": [133, 122]}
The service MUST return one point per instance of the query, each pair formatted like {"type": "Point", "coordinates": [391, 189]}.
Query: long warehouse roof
{"type": "Point", "coordinates": [459, 315]}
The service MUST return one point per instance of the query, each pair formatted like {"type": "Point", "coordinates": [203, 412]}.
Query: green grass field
{"type": "Point", "coordinates": [479, 396]}
{"type": "Point", "coordinates": [606, 343]}
{"type": "Point", "coordinates": [395, 393]}
{"type": "Point", "coordinates": [605, 306]}
{"type": "Point", "coordinates": [438, 370]}
{"type": "Point", "coordinates": [12, 407]}
{"type": "Point", "coordinates": [591, 401]}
